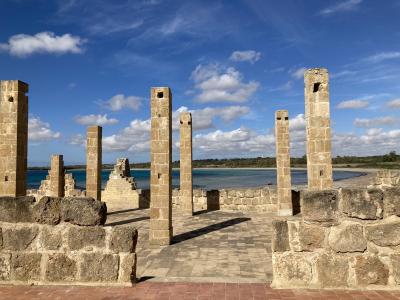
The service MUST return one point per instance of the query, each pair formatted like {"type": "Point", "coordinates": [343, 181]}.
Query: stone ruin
{"type": "Point", "coordinates": [386, 178]}
{"type": "Point", "coordinates": [120, 191]}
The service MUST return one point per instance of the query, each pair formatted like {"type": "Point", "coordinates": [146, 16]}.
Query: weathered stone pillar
{"type": "Point", "coordinates": [93, 162]}
{"type": "Point", "coordinates": [57, 179]}
{"type": "Point", "coordinates": [319, 157]}
{"type": "Point", "coordinates": [186, 181]}
{"type": "Point", "coordinates": [13, 137]}
{"type": "Point", "coordinates": [284, 184]}
{"type": "Point", "coordinates": [161, 160]}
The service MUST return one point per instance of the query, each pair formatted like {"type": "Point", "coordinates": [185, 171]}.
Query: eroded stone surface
{"type": "Point", "coordinates": [391, 201]}
{"type": "Point", "coordinates": [384, 234]}
{"type": "Point", "coordinates": [99, 267]}
{"type": "Point", "coordinates": [123, 239]}
{"type": "Point", "coordinates": [333, 270]}
{"type": "Point", "coordinates": [19, 238]}
{"type": "Point", "coordinates": [83, 237]}
{"type": "Point", "coordinates": [306, 237]}
{"type": "Point", "coordinates": [280, 236]}
{"type": "Point", "coordinates": [291, 269]}
{"type": "Point", "coordinates": [362, 203]}
{"type": "Point", "coordinates": [60, 268]}
{"type": "Point", "coordinates": [347, 237]}
{"type": "Point", "coordinates": [83, 211]}
{"type": "Point", "coordinates": [5, 262]}
{"type": "Point", "coordinates": [15, 210]}
{"type": "Point", "coordinates": [25, 266]}
{"type": "Point", "coordinates": [48, 211]}
{"type": "Point", "coordinates": [128, 268]}
{"type": "Point", "coordinates": [320, 206]}
{"type": "Point", "coordinates": [370, 270]}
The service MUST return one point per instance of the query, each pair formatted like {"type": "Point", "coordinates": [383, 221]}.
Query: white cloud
{"type": "Point", "coordinates": [381, 121]}
{"type": "Point", "coordinates": [248, 55]}
{"type": "Point", "coordinates": [77, 139]}
{"type": "Point", "coordinates": [342, 6]}
{"type": "Point", "coordinates": [298, 73]}
{"type": "Point", "coordinates": [353, 104]}
{"type": "Point", "coordinates": [216, 85]}
{"type": "Point", "coordinates": [40, 131]}
{"type": "Point", "coordinates": [95, 120]}
{"type": "Point", "coordinates": [23, 45]}
{"type": "Point", "coordinates": [298, 123]}
{"type": "Point", "coordinates": [383, 56]}
{"type": "Point", "coordinates": [203, 118]}
{"type": "Point", "coordinates": [119, 102]}
{"type": "Point", "coordinates": [395, 103]}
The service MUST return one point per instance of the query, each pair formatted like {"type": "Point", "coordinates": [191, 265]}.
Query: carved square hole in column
{"type": "Point", "coordinates": [160, 94]}
{"type": "Point", "coordinates": [181, 122]}
{"type": "Point", "coordinates": [5, 178]}
{"type": "Point", "coordinates": [159, 175]}
{"type": "Point", "coordinates": [278, 118]}
{"type": "Point", "coordinates": [11, 99]}
{"type": "Point", "coordinates": [190, 123]}
{"type": "Point", "coordinates": [321, 173]}
{"type": "Point", "coordinates": [316, 87]}
{"type": "Point", "coordinates": [159, 115]}
{"type": "Point", "coordinates": [286, 118]}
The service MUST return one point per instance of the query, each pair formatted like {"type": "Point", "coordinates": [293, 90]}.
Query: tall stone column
{"type": "Point", "coordinates": [186, 181]}
{"type": "Point", "coordinates": [13, 137]}
{"type": "Point", "coordinates": [284, 184]}
{"type": "Point", "coordinates": [57, 179]}
{"type": "Point", "coordinates": [93, 162]}
{"type": "Point", "coordinates": [161, 160]}
{"type": "Point", "coordinates": [319, 157]}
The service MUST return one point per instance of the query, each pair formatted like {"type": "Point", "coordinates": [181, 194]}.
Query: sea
{"type": "Point", "coordinates": [209, 179]}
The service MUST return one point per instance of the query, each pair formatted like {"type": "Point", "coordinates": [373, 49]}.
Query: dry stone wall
{"type": "Point", "coordinates": [62, 241]}
{"type": "Point", "coordinates": [386, 178]}
{"type": "Point", "coordinates": [347, 238]}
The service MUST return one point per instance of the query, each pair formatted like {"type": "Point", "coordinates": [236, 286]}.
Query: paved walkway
{"type": "Point", "coordinates": [208, 247]}
{"type": "Point", "coordinates": [177, 291]}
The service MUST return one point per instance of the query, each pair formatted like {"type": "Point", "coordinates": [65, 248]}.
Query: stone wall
{"type": "Point", "coordinates": [62, 241]}
{"type": "Point", "coordinates": [386, 178]}
{"type": "Point", "coordinates": [256, 199]}
{"type": "Point", "coordinates": [347, 238]}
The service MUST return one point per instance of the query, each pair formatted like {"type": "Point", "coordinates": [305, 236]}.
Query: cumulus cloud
{"type": "Point", "coordinates": [120, 101]}
{"type": "Point", "coordinates": [381, 121]}
{"type": "Point", "coordinates": [221, 85]}
{"type": "Point", "coordinates": [95, 120]}
{"type": "Point", "coordinates": [298, 73]}
{"type": "Point", "coordinates": [248, 55]}
{"type": "Point", "coordinates": [342, 6]}
{"type": "Point", "coordinates": [379, 57]}
{"type": "Point", "coordinates": [353, 104]}
{"type": "Point", "coordinates": [23, 45]}
{"type": "Point", "coordinates": [40, 131]}
{"type": "Point", "coordinates": [395, 103]}
{"type": "Point", "coordinates": [77, 139]}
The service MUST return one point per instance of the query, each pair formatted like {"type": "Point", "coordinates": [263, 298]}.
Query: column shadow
{"type": "Point", "coordinates": [210, 228]}
{"type": "Point", "coordinates": [122, 222]}
{"type": "Point", "coordinates": [123, 211]}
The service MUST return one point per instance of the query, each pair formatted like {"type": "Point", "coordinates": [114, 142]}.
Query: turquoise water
{"type": "Point", "coordinates": [202, 178]}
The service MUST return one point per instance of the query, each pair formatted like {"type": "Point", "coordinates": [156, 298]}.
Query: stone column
{"type": "Point", "coordinates": [319, 157]}
{"type": "Point", "coordinates": [186, 182]}
{"type": "Point", "coordinates": [57, 180]}
{"type": "Point", "coordinates": [284, 184]}
{"type": "Point", "coordinates": [93, 162]}
{"type": "Point", "coordinates": [13, 137]}
{"type": "Point", "coordinates": [161, 157]}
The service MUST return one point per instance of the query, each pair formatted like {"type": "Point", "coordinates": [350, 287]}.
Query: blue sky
{"type": "Point", "coordinates": [232, 63]}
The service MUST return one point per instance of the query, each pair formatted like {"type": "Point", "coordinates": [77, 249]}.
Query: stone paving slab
{"type": "Point", "coordinates": [176, 291]}
{"type": "Point", "coordinates": [215, 246]}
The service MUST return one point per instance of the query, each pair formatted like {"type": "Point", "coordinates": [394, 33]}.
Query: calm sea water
{"type": "Point", "coordinates": [202, 178]}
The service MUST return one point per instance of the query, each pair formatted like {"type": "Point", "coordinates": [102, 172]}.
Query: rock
{"type": "Point", "coordinates": [48, 211]}
{"type": "Point", "coordinates": [370, 270]}
{"type": "Point", "coordinates": [99, 267]}
{"type": "Point", "coordinates": [123, 239]}
{"type": "Point", "coordinates": [51, 238]}
{"type": "Point", "coordinates": [60, 268]}
{"type": "Point", "coordinates": [332, 270]}
{"type": "Point", "coordinates": [395, 260]}
{"type": "Point", "coordinates": [82, 237]}
{"type": "Point", "coordinates": [16, 210]}
{"type": "Point", "coordinates": [320, 206]}
{"type": "Point", "coordinates": [83, 211]}
{"type": "Point", "coordinates": [362, 204]}
{"type": "Point", "coordinates": [347, 237]}
{"type": "Point", "coordinates": [20, 238]}
{"type": "Point", "coordinates": [280, 236]}
{"type": "Point", "coordinates": [306, 237]}
{"type": "Point", "coordinates": [25, 266]}
{"type": "Point", "coordinates": [127, 271]}
{"type": "Point", "coordinates": [391, 201]}
{"type": "Point", "coordinates": [5, 263]}
{"type": "Point", "coordinates": [291, 269]}
{"type": "Point", "coordinates": [386, 234]}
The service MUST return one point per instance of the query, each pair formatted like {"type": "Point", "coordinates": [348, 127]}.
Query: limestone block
{"type": "Point", "coordinates": [83, 211]}
{"type": "Point", "coordinates": [306, 237]}
{"type": "Point", "coordinates": [362, 204]}
{"type": "Point", "coordinates": [370, 270]}
{"type": "Point", "coordinates": [332, 270]}
{"type": "Point", "coordinates": [99, 267]}
{"type": "Point", "coordinates": [123, 239]}
{"type": "Point", "coordinates": [347, 237]}
{"type": "Point", "coordinates": [291, 269]}
{"type": "Point", "coordinates": [127, 272]}
{"type": "Point", "coordinates": [395, 260]}
{"type": "Point", "coordinates": [86, 237]}
{"type": "Point", "coordinates": [19, 238]}
{"type": "Point", "coordinates": [391, 201]}
{"type": "Point", "coordinates": [51, 237]}
{"type": "Point", "coordinates": [384, 234]}
{"type": "Point", "coordinates": [320, 206]}
{"type": "Point", "coordinates": [25, 266]}
{"type": "Point", "coordinates": [60, 267]}
{"type": "Point", "coordinates": [48, 211]}
{"type": "Point", "coordinates": [15, 210]}
{"type": "Point", "coordinates": [280, 236]}
{"type": "Point", "coordinates": [5, 264]}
